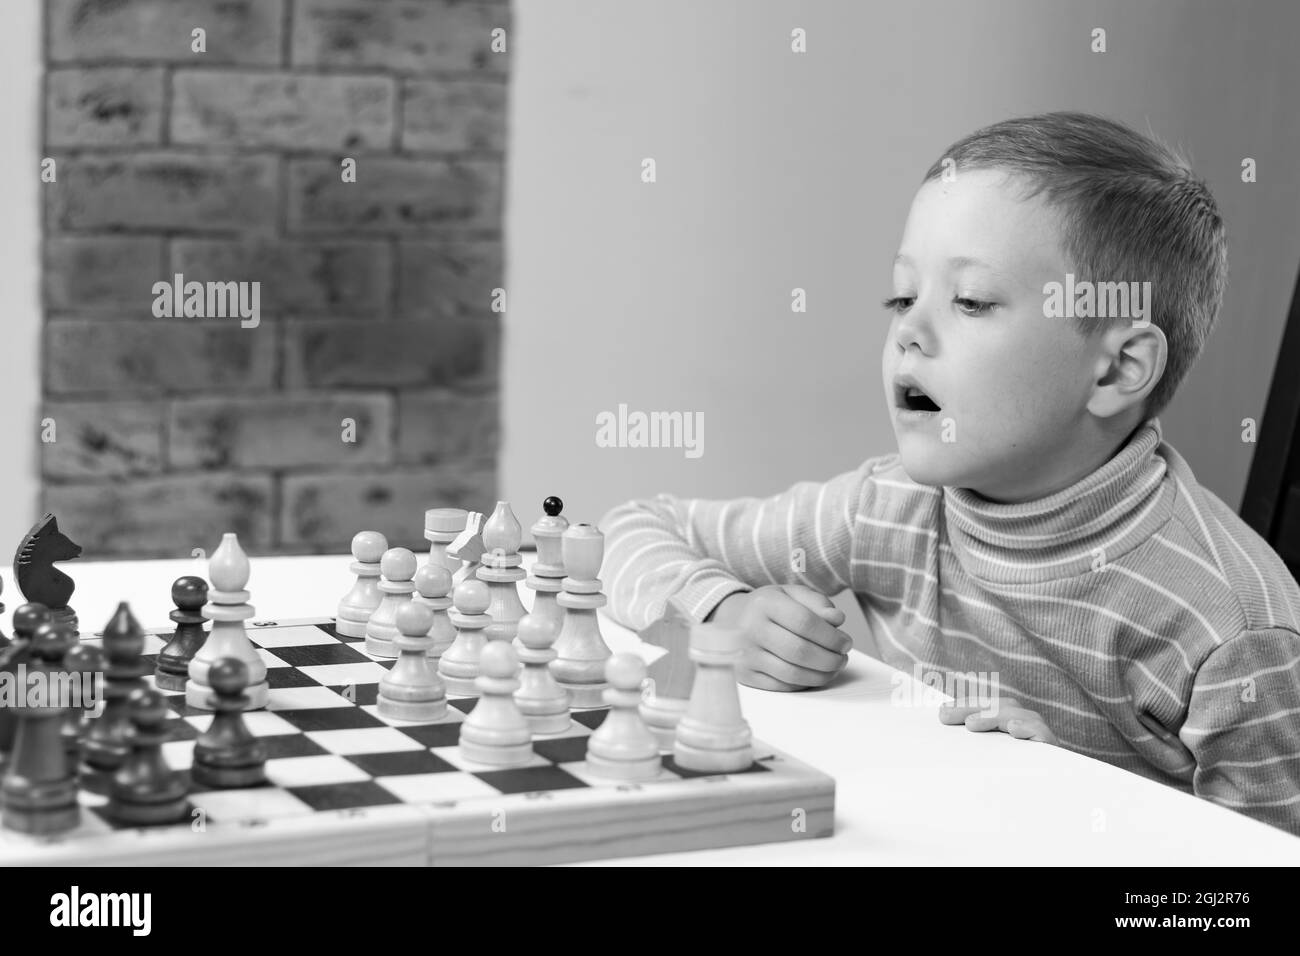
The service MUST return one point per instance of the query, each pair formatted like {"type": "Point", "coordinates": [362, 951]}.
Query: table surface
{"type": "Point", "coordinates": [909, 791]}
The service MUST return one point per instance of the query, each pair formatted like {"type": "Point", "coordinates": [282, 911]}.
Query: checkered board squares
{"type": "Point", "coordinates": [345, 784]}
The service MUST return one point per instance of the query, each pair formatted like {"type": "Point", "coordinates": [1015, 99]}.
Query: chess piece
{"type": "Point", "coordinates": [579, 666]}
{"type": "Point", "coordinates": [227, 609]}
{"type": "Point", "coordinates": [495, 732]}
{"type": "Point", "coordinates": [712, 736]}
{"type": "Point", "coordinates": [40, 788]}
{"type": "Point", "coordinates": [432, 585]}
{"type": "Point", "coordinates": [397, 568]}
{"type": "Point", "coordinates": [541, 700]}
{"type": "Point", "coordinates": [144, 790]}
{"type": "Point", "coordinates": [547, 576]}
{"type": "Point", "coordinates": [37, 577]}
{"type": "Point", "coordinates": [106, 747]}
{"type": "Point", "coordinates": [84, 663]}
{"type": "Point", "coordinates": [502, 571]}
{"type": "Point", "coordinates": [622, 747]}
{"type": "Point", "coordinates": [459, 665]}
{"type": "Point", "coordinates": [670, 676]}
{"type": "Point", "coordinates": [441, 527]}
{"type": "Point", "coordinates": [189, 594]}
{"type": "Point", "coordinates": [227, 755]}
{"type": "Point", "coordinates": [412, 690]}
{"type": "Point", "coordinates": [27, 618]}
{"type": "Point", "coordinates": [359, 603]}
{"type": "Point", "coordinates": [467, 548]}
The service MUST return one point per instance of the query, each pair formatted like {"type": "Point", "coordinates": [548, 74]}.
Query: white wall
{"type": "Point", "coordinates": [20, 276]}
{"type": "Point", "coordinates": [777, 170]}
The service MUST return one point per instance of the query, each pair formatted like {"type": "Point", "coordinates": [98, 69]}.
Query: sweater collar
{"type": "Point", "coordinates": [1078, 529]}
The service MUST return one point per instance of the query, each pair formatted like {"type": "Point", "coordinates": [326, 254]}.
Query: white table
{"type": "Point", "coordinates": [909, 791]}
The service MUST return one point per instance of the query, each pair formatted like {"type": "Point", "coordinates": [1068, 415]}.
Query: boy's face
{"type": "Point", "coordinates": [1011, 385]}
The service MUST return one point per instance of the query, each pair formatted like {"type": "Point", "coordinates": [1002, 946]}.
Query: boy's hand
{"type": "Point", "coordinates": [1001, 713]}
{"type": "Point", "coordinates": [792, 636]}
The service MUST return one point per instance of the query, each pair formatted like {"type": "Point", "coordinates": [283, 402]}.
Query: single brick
{"type": "Point", "coordinates": [450, 278]}
{"type": "Point", "coordinates": [110, 106]}
{"type": "Point", "coordinates": [102, 273]}
{"type": "Point", "coordinates": [395, 196]}
{"type": "Point", "coordinates": [331, 276]}
{"type": "Point", "coordinates": [237, 31]}
{"type": "Point", "coordinates": [159, 356]}
{"type": "Point", "coordinates": [164, 191]}
{"type": "Point", "coordinates": [282, 110]}
{"type": "Point", "coordinates": [322, 512]}
{"type": "Point", "coordinates": [453, 115]}
{"type": "Point", "coordinates": [100, 439]}
{"type": "Point", "coordinates": [281, 431]}
{"type": "Point", "coordinates": [448, 426]}
{"type": "Point", "coordinates": [406, 36]}
{"type": "Point", "coordinates": [443, 352]}
{"type": "Point", "coordinates": [163, 517]}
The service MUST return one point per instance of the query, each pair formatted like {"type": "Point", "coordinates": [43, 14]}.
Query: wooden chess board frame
{"type": "Point", "coordinates": [787, 800]}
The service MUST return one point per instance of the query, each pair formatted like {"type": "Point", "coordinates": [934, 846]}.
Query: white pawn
{"type": "Point", "coordinates": [412, 689]}
{"type": "Point", "coordinates": [398, 568]}
{"type": "Point", "coordinates": [622, 748]}
{"type": "Point", "coordinates": [432, 585]}
{"type": "Point", "coordinates": [459, 665]}
{"type": "Point", "coordinates": [227, 609]}
{"type": "Point", "coordinates": [359, 603]}
{"type": "Point", "coordinates": [712, 736]}
{"type": "Point", "coordinates": [544, 702]}
{"type": "Point", "coordinates": [495, 732]}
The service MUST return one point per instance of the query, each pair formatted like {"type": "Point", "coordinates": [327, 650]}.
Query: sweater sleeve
{"type": "Point", "coordinates": [699, 551]}
{"type": "Point", "coordinates": [1243, 726]}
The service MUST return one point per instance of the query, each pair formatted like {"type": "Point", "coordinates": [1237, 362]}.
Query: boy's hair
{"type": "Point", "coordinates": [1132, 210]}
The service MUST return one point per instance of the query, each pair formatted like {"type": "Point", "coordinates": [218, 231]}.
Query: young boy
{"type": "Point", "coordinates": [1033, 524]}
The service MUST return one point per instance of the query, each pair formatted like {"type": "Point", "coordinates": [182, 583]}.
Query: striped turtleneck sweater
{"type": "Point", "coordinates": [1147, 623]}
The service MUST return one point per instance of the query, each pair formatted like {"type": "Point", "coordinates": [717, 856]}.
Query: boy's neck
{"type": "Point", "coordinates": [1100, 448]}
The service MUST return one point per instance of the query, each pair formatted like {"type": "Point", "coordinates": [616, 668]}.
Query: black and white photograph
{"type": "Point", "coordinates": [690, 433]}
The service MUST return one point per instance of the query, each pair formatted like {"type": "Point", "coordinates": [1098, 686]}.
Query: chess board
{"type": "Point", "coordinates": [348, 786]}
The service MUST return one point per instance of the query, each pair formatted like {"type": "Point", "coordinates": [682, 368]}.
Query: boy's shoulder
{"type": "Point", "coordinates": [1255, 578]}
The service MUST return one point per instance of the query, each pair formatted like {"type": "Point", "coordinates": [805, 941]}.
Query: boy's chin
{"type": "Point", "coordinates": [923, 463]}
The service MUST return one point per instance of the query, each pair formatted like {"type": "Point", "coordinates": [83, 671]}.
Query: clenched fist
{"type": "Point", "coordinates": [792, 636]}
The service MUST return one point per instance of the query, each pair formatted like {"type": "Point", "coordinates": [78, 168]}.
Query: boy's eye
{"type": "Point", "coordinates": [899, 303]}
{"type": "Point", "coordinates": [973, 306]}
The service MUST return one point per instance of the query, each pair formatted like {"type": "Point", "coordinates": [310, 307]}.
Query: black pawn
{"type": "Point", "coordinates": [27, 618]}
{"type": "Point", "coordinates": [106, 745]}
{"type": "Point", "coordinates": [226, 755]}
{"type": "Point", "coordinates": [189, 594]}
{"type": "Point", "coordinates": [40, 789]}
{"type": "Point", "coordinates": [144, 790]}
{"type": "Point", "coordinates": [552, 506]}
{"type": "Point", "coordinates": [85, 664]}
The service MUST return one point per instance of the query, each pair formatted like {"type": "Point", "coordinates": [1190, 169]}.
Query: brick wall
{"type": "Point", "coordinates": [375, 295]}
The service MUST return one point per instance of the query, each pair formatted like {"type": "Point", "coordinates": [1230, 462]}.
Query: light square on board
{"type": "Point", "coordinates": [297, 635]}
{"type": "Point", "coordinates": [313, 771]}
{"type": "Point", "coordinates": [252, 803]}
{"type": "Point", "coordinates": [436, 787]}
{"type": "Point", "coordinates": [364, 740]}
{"type": "Point", "coordinates": [260, 723]}
{"type": "Point", "coordinates": [304, 698]}
{"type": "Point", "coordinates": [367, 672]}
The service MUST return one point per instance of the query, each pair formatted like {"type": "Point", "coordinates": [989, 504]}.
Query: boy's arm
{"type": "Point", "coordinates": [1243, 727]}
{"type": "Point", "coordinates": [701, 551]}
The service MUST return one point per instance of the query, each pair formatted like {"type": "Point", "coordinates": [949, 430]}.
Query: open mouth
{"type": "Point", "coordinates": [914, 399]}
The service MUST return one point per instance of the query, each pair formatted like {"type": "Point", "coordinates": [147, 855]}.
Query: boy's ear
{"type": "Point", "coordinates": [1133, 359]}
